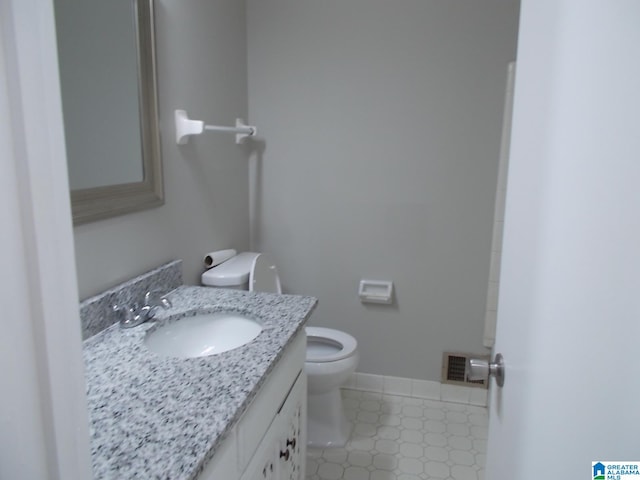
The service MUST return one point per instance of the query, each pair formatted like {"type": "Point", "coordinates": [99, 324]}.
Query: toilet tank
{"type": "Point", "coordinates": [234, 273]}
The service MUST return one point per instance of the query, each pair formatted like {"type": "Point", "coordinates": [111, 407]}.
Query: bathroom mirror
{"type": "Point", "coordinates": [106, 55]}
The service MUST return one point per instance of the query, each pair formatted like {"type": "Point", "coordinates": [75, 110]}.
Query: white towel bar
{"type": "Point", "coordinates": [186, 127]}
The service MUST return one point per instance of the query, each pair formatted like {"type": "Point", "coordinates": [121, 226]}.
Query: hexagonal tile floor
{"type": "Point", "coordinates": [403, 438]}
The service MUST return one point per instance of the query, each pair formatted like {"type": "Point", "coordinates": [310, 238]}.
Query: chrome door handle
{"type": "Point", "coordinates": [482, 370]}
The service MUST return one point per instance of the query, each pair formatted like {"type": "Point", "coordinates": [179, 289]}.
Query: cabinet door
{"type": "Point", "coordinates": [264, 409]}
{"type": "Point", "coordinates": [264, 464]}
{"type": "Point", "coordinates": [292, 422]}
{"type": "Point", "coordinates": [224, 463]}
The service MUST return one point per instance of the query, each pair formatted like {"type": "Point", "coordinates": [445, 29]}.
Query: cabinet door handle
{"type": "Point", "coordinates": [285, 455]}
{"type": "Point", "coordinates": [291, 443]}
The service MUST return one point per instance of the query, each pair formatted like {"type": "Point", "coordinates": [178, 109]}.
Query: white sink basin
{"type": "Point", "coordinates": [202, 335]}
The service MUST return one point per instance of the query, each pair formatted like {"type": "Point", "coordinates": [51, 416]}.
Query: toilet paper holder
{"type": "Point", "coordinates": [376, 291]}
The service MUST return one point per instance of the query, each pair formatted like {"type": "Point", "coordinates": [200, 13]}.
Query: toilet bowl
{"type": "Point", "coordinates": [332, 355]}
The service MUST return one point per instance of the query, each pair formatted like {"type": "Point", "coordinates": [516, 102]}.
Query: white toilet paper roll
{"type": "Point", "coordinates": [212, 259]}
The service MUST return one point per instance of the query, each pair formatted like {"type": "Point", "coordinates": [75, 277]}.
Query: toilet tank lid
{"type": "Point", "coordinates": [234, 271]}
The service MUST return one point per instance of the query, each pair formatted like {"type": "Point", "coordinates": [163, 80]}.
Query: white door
{"type": "Point", "coordinates": [44, 429]}
{"type": "Point", "coordinates": [569, 308]}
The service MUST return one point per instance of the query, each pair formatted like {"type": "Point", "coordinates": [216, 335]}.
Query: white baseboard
{"type": "Point", "coordinates": [411, 387]}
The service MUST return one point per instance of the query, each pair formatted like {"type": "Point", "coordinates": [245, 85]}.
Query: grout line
{"type": "Point", "coordinates": [415, 388]}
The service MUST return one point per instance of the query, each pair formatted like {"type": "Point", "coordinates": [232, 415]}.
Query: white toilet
{"type": "Point", "coordinates": [332, 355]}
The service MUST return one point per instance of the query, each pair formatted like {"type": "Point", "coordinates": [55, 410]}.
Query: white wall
{"type": "Point", "coordinates": [202, 68]}
{"type": "Point", "coordinates": [382, 126]}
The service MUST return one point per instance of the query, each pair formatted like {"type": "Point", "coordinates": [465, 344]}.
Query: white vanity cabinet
{"type": "Point", "coordinates": [292, 442]}
{"type": "Point", "coordinates": [269, 441]}
{"type": "Point", "coordinates": [280, 455]}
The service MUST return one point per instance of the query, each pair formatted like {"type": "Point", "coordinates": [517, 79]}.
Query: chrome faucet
{"type": "Point", "coordinates": [136, 315]}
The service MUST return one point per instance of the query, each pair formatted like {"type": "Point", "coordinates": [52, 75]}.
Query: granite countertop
{"type": "Point", "coordinates": [154, 417]}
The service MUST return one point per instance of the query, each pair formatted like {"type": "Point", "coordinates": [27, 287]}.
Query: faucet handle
{"type": "Point", "coordinates": [136, 315]}
{"type": "Point", "coordinates": [133, 316]}
{"type": "Point", "coordinates": [154, 299]}
{"type": "Point", "coordinates": [126, 315]}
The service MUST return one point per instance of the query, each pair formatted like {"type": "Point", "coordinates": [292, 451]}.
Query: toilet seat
{"type": "Point", "coordinates": [333, 345]}
{"type": "Point", "coordinates": [263, 276]}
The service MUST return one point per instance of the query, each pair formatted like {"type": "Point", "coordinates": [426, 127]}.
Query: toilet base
{"type": "Point", "coordinates": [327, 425]}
